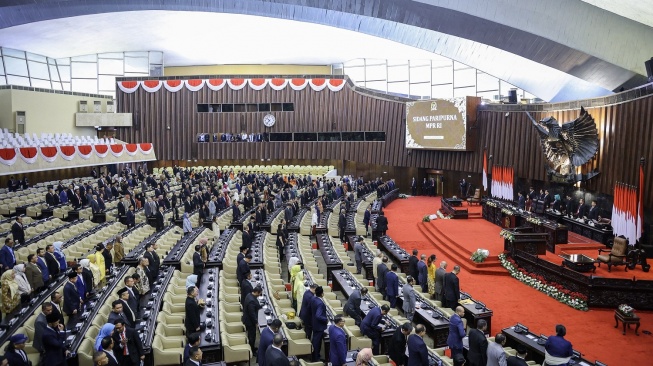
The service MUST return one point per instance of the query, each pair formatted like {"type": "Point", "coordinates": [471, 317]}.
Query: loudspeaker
{"type": "Point", "coordinates": [512, 96]}
{"type": "Point", "coordinates": [649, 68]}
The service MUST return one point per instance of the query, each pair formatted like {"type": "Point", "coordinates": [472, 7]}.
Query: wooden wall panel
{"type": "Point", "coordinates": [625, 131]}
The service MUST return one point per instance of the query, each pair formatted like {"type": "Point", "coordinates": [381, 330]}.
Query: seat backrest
{"type": "Point", "coordinates": [477, 193]}
{"type": "Point", "coordinates": [620, 246]}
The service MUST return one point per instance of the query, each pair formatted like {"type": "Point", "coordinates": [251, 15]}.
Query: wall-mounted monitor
{"type": "Point", "coordinates": [437, 124]}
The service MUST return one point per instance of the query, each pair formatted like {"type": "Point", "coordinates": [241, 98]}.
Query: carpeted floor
{"type": "Point", "coordinates": [592, 333]}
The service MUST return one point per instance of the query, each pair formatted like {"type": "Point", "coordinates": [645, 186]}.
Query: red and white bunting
{"type": "Point", "coordinates": [67, 152]}
{"type": "Point", "coordinates": [145, 148]}
{"type": "Point", "coordinates": [257, 84]}
{"type": "Point", "coordinates": [216, 84]}
{"type": "Point", "coordinates": [131, 149]}
{"type": "Point", "coordinates": [128, 86]}
{"type": "Point", "coordinates": [8, 156]}
{"type": "Point", "coordinates": [28, 154]}
{"type": "Point", "coordinates": [194, 84]}
{"type": "Point", "coordinates": [101, 150]}
{"type": "Point", "coordinates": [49, 153]}
{"type": "Point", "coordinates": [151, 86]}
{"type": "Point", "coordinates": [85, 151]}
{"type": "Point", "coordinates": [336, 84]}
{"type": "Point", "coordinates": [278, 84]}
{"type": "Point", "coordinates": [116, 149]}
{"type": "Point", "coordinates": [298, 84]}
{"type": "Point", "coordinates": [318, 84]}
{"type": "Point", "coordinates": [173, 85]}
{"type": "Point", "coordinates": [236, 84]}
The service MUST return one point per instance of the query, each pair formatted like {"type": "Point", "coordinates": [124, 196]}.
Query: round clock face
{"type": "Point", "coordinates": [269, 120]}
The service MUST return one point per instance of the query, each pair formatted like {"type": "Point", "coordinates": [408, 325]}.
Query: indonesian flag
{"type": "Point", "coordinates": [640, 206]}
{"type": "Point", "coordinates": [485, 170]}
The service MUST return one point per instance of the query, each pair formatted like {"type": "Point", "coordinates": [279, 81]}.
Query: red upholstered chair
{"type": "Point", "coordinates": [616, 255]}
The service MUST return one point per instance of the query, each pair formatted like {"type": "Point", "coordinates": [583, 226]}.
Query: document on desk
{"type": "Point", "coordinates": [532, 337]}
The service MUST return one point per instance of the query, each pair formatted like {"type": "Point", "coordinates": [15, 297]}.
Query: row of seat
{"type": "Point", "coordinates": [314, 170]}
{"type": "Point", "coordinates": [16, 140]}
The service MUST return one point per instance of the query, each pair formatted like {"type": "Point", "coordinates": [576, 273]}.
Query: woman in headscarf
{"type": "Point", "coordinates": [24, 288]}
{"type": "Point", "coordinates": [143, 286]}
{"type": "Point", "coordinates": [291, 263]}
{"type": "Point", "coordinates": [87, 274]}
{"type": "Point", "coordinates": [59, 254]}
{"type": "Point", "coordinates": [105, 331]}
{"type": "Point", "coordinates": [95, 270]}
{"type": "Point", "coordinates": [99, 261]}
{"type": "Point", "coordinates": [191, 281]}
{"type": "Point", "coordinates": [431, 268]}
{"type": "Point", "coordinates": [364, 356]}
{"type": "Point", "coordinates": [188, 227]}
{"type": "Point", "coordinates": [297, 281]}
{"type": "Point", "coordinates": [10, 295]}
{"type": "Point", "coordinates": [204, 250]}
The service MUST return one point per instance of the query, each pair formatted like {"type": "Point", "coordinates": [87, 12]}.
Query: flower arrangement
{"type": "Point", "coordinates": [426, 218]}
{"type": "Point", "coordinates": [491, 203]}
{"type": "Point", "coordinates": [574, 299]}
{"type": "Point", "coordinates": [442, 216]}
{"type": "Point", "coordinates": [507, 234]}
{"type": "Point", "coordinates": [626, 310]}
{"type": "Point", "coordinates": [508, 211]}
{"type": "Point", "coordinates": [534, 220]}
{"type": "Point", "coordinates": [479, 255]}
{"type": "Point", "coordinates": [402, 196]}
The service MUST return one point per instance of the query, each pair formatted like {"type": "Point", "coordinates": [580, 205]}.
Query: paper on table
{"type": "Point", "coordinates": [530, 336]}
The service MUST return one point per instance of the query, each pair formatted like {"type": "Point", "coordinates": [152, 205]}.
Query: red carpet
{"type": "Point", "coordinates": [591, 332]}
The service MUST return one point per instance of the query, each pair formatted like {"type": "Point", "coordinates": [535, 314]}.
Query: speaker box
{"type": "Point", "coordinates": [512, 96]}
{"type": "Point", "coordinates": [649, 68]}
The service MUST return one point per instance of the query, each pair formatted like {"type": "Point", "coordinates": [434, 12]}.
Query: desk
{"type": "Point", "coordinates": [581, 228]}
{"type": "Point", "coordinates": [178, 250]}
{"type": "Point", "coordinates": [257, 250]}
{"type": "Point", "coordinates": [394, 251]}
{"type": "Point", "coordinates": [331, 258]}
{"type": "Point", "coordinates": [389, 197]}
{"type": "Point", "coordinates": [294, 224]}
{"type": "Point", "coordinates": [267, 311]}
{"type": "Point", "coordinates": [368, 257]}
{"type": "Point", "coordinates": [210, 338]}
{"type": "Point", "coordinates": [535, 350]}
{"type": "Point", "coordinates": [473, 315]}
{"type": "Point", "coordinates": [153, 304]}
{"type": "Point", "coordinates": [451, 206]}
{"type": "Point", "coordinates": [219, 249]}
{"type": "Point", "coordinates": [626, 320]}
{"type": "Point", "coordinates": [437, 326]}
{"type": "Point", "coordinates": [377, 206]}
{"type": "Point", "coordinates": [267, 225]}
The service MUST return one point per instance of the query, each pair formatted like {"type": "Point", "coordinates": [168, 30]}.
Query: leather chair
{"type": "Point", "coordinates": [476, 198]}
{"type": "Point", "coordinates": [616, 255]}
{"type": "Point", "coordinates": [166, 353]}
{"type": "Point", "coordinates": [235, 348]}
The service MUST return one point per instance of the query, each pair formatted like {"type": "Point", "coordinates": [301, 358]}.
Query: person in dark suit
{"type": "Point", "coordinates": [306, 312]}
{"type": "Point", "coordinates": [353, 305]}
{"type": "Point", "coordinates": [243, 268]}
{"type": "Point", "coordinates": [456, 331]}
{"type": "Point", "coordinates": [134, 296]}
{"type": "Point", "coordinates": [521, 200]}
{"type": "Point", "coordinates": [195, 358]}
{"type": "Point", "coordinates": [250, 315]}
{"type": "Point", "coordinates": [267, 335]}
{"type": "Point", "coordinates": [440, 273]}
{"type": "Point", "coordinates": [246, 287]}
{"type": "Point", "coordinates": [413, 270]}
{"type": "Point", "coordinates": [107, 348]}
{"type": "Point", "coordinates": [547, 198]}
{"type": "Point", "coordinates": [381, 271]}
{"type": "Point", "coordinates": [342, 225]}
{"type": "Point", "coordinates": [569, 206]}
{"type": "Point", "coordinates": [117, 314]}
{"type": "Point", "coordinates": [397, 345]}
{"type": "Point", "coordinates": [51, 261]}
{"type": "Point", "coordinates": [7, 255]}
{"type": "Point", "coordinates": [18, 231]}
{"type": "Point", "coordinates": [372, 327]}
{"type": "Point", "coordinates": [154, 262]}
{"type": "Point", "coordinates": [131, 217]}
{"type": "Point", "coordinates": [54, 349]}
{"type": "Point", "coordinates": [452, 288]}
{"type": "Point", "coordinates": [39, 326]}
{"type": "Point", "coordinates": [160, 222]}
{"type": "Point", "coordinates": [582, 209]}
{"type": "Point", "coordinates": [72, 303]}
{"type": "Point", "coordinates": [194, 340]}
{"type": "Point", "coordinates": [392, 285]}
{"type": "Point", "coordinates": [243, 252]}
{"type": "Point", "coordinates": [193, 309]}
{"type": "Point", "coordinates": [274, 356]}
{"type": "Point", "coordinates": [593, 213]}
{"type": "Point", "coordinates": [381, 223]}
{"type": "Point", "coordinates": [338, 342]}
{"type": "Point", "coordinates": [128, 345]}
{"type": "Point", "coordinates": [422, 276]}
{"type": "Point", "coordinates": [320, 322]}
{"type": "Point", "coordinates": [56, 300]}
{"type": "Point", "coordinates": [519, 359]}
{"type": "Point", "coordinates": [366, 220]}
{"type": "Point", "coordinates": [127, 310]}
{"type": "Point", "coordinates": [247, 237]}
{"type": "Point", "coordinates": [417, 353]}
{"type": "Point", "coordinates": [477, 354]}
{"type": "Point", "coordinates": [198, 264]}
{"type": "Point", "coordinates": [15, 351]}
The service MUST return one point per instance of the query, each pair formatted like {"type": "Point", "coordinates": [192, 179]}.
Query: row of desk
{"type": "Point", "coordinates": [178, 250]}
{"type": "Point", "coordinates": [219, 249]}
{"type": "Point", "coordinates": [329, 254]}
{"type": "Point", "coordinates": [295, 223]}
{"type": "Point", "coordinates": [210, 342]}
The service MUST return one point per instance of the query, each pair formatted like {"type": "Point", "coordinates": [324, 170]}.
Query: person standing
{"type": "Point", "coordinates": [440, 273]}
{"type": "Point", "coordinates": [306, 311]}
{"type": "Point", "coordinates": [456, 332]}
{"type": "Point", "coordinates": [381, 272]}
{"type": "Point", "coordinates": [274, 356]}
{"type": "Point", "coordinates": [18, 231]}
{"type": "Point", "coordinates": [478, 344]}
{"type": "Point", "coordinates": [54, 349]}
{"type": "Point", "coordinates": [423, 274]}
{"type": "Point", "coordinates": [154, 262]}
{"type": "Point", "coordinates": [358, 254]}
{"type": "Point", "coordinates": [193, 309]}
{"type": "Point", "coordinates": [518, 359]}
{"type": "Point", "coordinates": [496, 356]}
{"type": "Point", "coordinates": [452, 288]}
{"type": "Point", "coordinates": [195, 357]}
{"type": "Point", "coordinates": [72, 303]}
{"type": "Point", "coordinates": [558, 350]}
{"type": "Point", "coordinates": [413, 270]}
{"type": "Point", "coordinates": [15, 350]}
{"type": "Point", "coordinates": [413, 187]}
{"type": "Point", "coordinates": [409, 299]}
{"type": "Point", "coordinates": [397, 345]}
{"type": "Point", "coordinates": [371, 326]}
{"type": "Point", "coordinates": [431, 269]}
{"type": "Point", "coordinates": [33, 273]}
{"type": "Point", "coordinates": [198, 265]}
{"type": "Point", "coordinates": [7, 256]}
{"type": "Point", "coordinates": [267, 336]}
{"type": "Point", "coordinates": [246, 287]}
{"type": "Point", "coordinates": [250, 316]}
{"type": "Point", "coordinates": [342, 225]}
{"type": "Point", "coordinates": [366, 220]}
{"type": "Point", "coordinates": [353, 305]}
{"type": "Point", "coordinates": [392, 285]}
{"type": "Point", "coordinates": [381, 223]}
{"type": "Point", "coordinates": [160, 221]}
{"type": "Point", "coordinates": [320, 322]}
{"type": "Point", "coordinates": [418, 354]}
{"type": "Point", "coordinates": [338, 341]}
{"type": "Point", "coordinates": [129, 348]}
{"type": "Point", "coordinates": [243, 268]}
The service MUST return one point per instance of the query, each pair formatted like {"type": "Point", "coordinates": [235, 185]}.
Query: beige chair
{"type": "Point", "coordinates": [165, 353]}
{"type": "Point", "coordinates": [235, 348]}
{"type": "Point", "coordinates": [616, 256]}
{"type": "Point", "coordinates": [476, 198]}
{"type": "Point", "coordinates": [85, 353]}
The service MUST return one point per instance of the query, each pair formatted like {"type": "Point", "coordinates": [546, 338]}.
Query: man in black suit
{"type": "Point", "coordinates": [51, 198]}
{"type": "Point", "coordinates": [519, 359]}
{"type": "Point", "coordinates": [274, 356]}
{"type": "Point", "coordinates": [417, 352]}
{"type": "Point", "coordinates": [569, 210]}
{"type": "Point", "coordinates": [412, 266]}
{"type": "Point", "coordinates": [250, 316]}
{"type": "Point", "coordinates": [582, 209]}
{"type": "Point", "coordinates": [477, 354]}
{"type": "Point", "coordinates": [397, 345]}
{"type": "Point", "coordinates": [117, 314]}
{"type": "Point", "coordinates": [243, 252]}
{"type": "Point", "coordinates": [129, 348]}
{"type": "Point", "coordinates": [134, 296]}
{"type": "Point", "coordinates": [198, 264]}
{"type": "Point", "coordinates": [593, 213]}
{"type": "Point", "coordinates": [127, 310]}
{"type": "Point", "coordinates": [154, 261]}
{"type": "Point", "coordinates": [54, 349]}
{"type": "Point", "coordinates": [195, 358]}
{"type": "Point", "coordinates": [306, 312]}
{"type": "Point", "coordinates": [51, 261]}
{"type": "Point", "coordinates": [342, 225]}
{"type": "Point", "coordinates": [247, 237]}
{"type": "Point", "coordinates": [452, 288]}
{"type": "Point", "coordinates": [107, 349]}
{"type": "Point", "coordinates": [243, 268]}
{"type": "Point", "coordinates": [131, 217]}
{"type": "Point", "coordinates": [381, 223]}
{"type": "Point", "coordinates": [246, 288]}
{"type": "Point", "coordinates": [18, 231]}
{"type": "Point", "coordinates": [159, 219]}
{"type": "Point", "coordinates": [72, 303]}
{"type": "Point", "coordinates": [193, 308]}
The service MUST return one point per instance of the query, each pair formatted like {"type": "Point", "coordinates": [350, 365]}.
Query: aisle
{"type": "Point", "coordinates": [591, 332]}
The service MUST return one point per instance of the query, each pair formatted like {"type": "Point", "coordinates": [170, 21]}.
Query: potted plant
{"type": "Point", "coordinates": [479, 255]}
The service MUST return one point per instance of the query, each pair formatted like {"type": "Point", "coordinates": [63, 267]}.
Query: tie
{"type": "Point", "coordinates": [124, 349]}
{"type": "Point", "coordinates": [22, 354]}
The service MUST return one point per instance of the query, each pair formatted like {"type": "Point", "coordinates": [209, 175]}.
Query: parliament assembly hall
{"type": "Point", "coordinates": [342, 182]}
